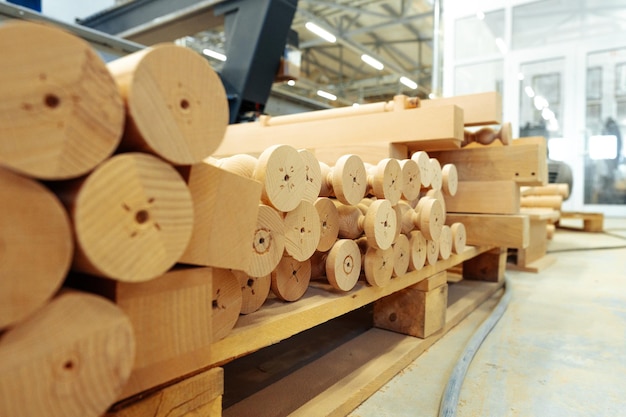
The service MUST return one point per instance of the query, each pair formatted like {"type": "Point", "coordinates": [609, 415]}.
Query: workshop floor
{"type": "Point", "coordinates": [559, 350]}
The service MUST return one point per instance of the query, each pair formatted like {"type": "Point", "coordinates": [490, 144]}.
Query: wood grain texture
{"type": "Point", "coordinates": [418, 250]}
{"type": "Point", "coordinates": [478, 109]}
{"type": "Point", "coordinates": [226, 301]}
{"type": "Point", "coordinates": [411, 179]}
{"type": "Point", "coordinates": [525, 162]}
{"type": "Point", "coordinates": [60, 113]}
{"type": "Point", "coordinates": [385, 180]}
{"type": "Point", "coordinates": [132, 217]}
{"type": "Point", "coordinates": [302, 231]}
{"type": "Point", "coordinates": [489, 197]}
{"type": "Point", "coordinates": [254, 291]}
{"type": "Point", "coordinates": [69, 359]}
{"type": "Point", "coordinates": [489, 266]}
{"type": "Point", "coordinates": [509, 231]}
{"type": "Point", "coordinates": [194, 396]}
{"type": "Point", "coordinates": [378, 266]}
{"type": "Point", "coordinates": [329, 223]}
{"type": "Point", "coordinates": [280, 170]}
{"type": "Point", "coordinates": [312, 176]}
{"type": "Point", "coordinates": [171, 317]}
{"type": "Point", "coordinates": [291, 278]}
{"type": "Point", "coordinates": [401, 255]}
{"type": "Point", "coordinates": [433, 128]}
{"type": "Point", "coordinates": [277, 320]}
{"type": "Point", "coordinates": [268, 242]}
{"type": "Point", "coordinates": [36, 246]}
{"type": "Point", "coordinates": [343, 265]}
{"type": "Point", "coordinates": [225, 207]}
{"type": "Point", "coordinates": [175, 103]}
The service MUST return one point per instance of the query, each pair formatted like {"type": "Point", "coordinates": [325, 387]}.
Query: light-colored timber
{"type": "Point", "coordinates": [419, 248]}
{"type": "Point", "coordinates": [525, 162]}
{"type": "Point", "coordinates": [254, 291]}
{"type": "Point", "coordinates": [488, 197]}
{"type": "Point", "coordinates": [36, 246]}
{"type": "Point", "coordinates": [445, 242]}
{"type": "Point", "coordinates": [224, 221]}
{"type": "Point", "coordinates": [347, 180]}
{"type": "Point", "coordinates": [436, 176]}
{"type": "Point", "coordinates": [545, 201]}
{"type": "Point", "coordinates": [486, 135]}
{"type": "Point", "coordinates": [160, 311]}
{"type": "Point", "coordinates": [59, 95]}
{"type": "Point", "coordinates": [176, 105]}
{"type": "Point", "coordinates": [423, 162]}
{"type": "Point", "coordinates": [411, 179]}
{"type": "Point", "coordinates": [302, 231]}
{"type": "Point", "coordinates": [509, 231]}
{"type": "Point", "coordinates": [592, 222]}
{"type": "Point", "coordinates": [478, 109]}
{"type": "Point", "coordinates": [268, 241]}
{"type": "Point", "coordinates": [401, 255]}
{"type": "Point", "coordinates": [432, 128]}
{"type": "Point", "coordinates": [561, 189]}
{"type": "Point", "coordinates": [459, 237]}
{"type": "Point", "coordinates": [132, 217]}
{"type": "Point", "coordinates": [226, 302]}
{"type": "Point", "coordinates": [342, 379]}
{"type": "Point", "coordinates": [378, 224]}
{"type": "Point", "coordinates": [312, 176]}
{"type": "Point", "coordinates": [343, 265]}
{"type": "Point", "coordinates": [291, 278]}
{"type": "Point", "coordinates": [378, 264]}
{"type": "Point", "coordinates": [385, 180]}
{"type": "Point", "coordinates": [428, 217]}
{"type": "Point", "coordinates": [197, 396]}
{"type": "Point", "coordinates": [329, 223]}
{"type": "Point", "coordinates": [71, 358]}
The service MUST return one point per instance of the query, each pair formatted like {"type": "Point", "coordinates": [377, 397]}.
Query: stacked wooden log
{"type": "Point", "coordinates": [546, 199]}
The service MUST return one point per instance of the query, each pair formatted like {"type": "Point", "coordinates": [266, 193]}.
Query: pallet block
{"type": "Point", "coordinates": [533, 258]}
{"type": "Point", "coordinates": [592, 222]}
{"type": "Point", "coordinates": [489, 266]}
{"type": "Point", "coordinates": [419, 310]}
{"type": "Point", "coordinates": [488, 197]}
{"type": "Point", "coordinates": [429, 128]}
{"type": "Point", "coordinates": [525, 161]}
{"type": "Point", "coordinates": [197, 396]}
{"type": "Point", "coordinates": [478, 109]}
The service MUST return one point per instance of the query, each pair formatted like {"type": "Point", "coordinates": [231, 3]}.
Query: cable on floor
{"type": "Point", "coordinates": [450, 397]}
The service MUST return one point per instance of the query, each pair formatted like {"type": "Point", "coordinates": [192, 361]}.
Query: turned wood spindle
{"type": "Point", "coordinates": [176, 105]}
{"type": "Point", "coordinates": [459, 237]}
{"type": "Point", "coordinates": [254, 291]}
{"type": "Point", "coordinates": [401, 255]}
{"type": "Point", "coordinates": [487, 135]}
{"type": "Point", "coordinates": [418, 249]}
{"type": "Point", "coordinates": [268, 243]}
{"type": "Point", "coordinates": [436, 176]}
{"type": "Point", "coordinates": [302, 231]}
{"type": "Point", "coordinates": [385, 180]}
{"type": "Point", "coordinates": [377, 263]}
{"type": "Point", "coordinates": [450, 178]}
{"type": "Point", "coordinates": [432, 252]}
{"type": "Point", "coordinates": [313, 176]}
{"type": "Point", "coordinates": [240, 164]}
{"type": "Point", "coordinates": [445, 242]}
{"type": "Point", "coordinates": [378, 224]}
{"type": "Point", "coordinates": [329, 223]}
{"type": "Point", "coordinates": [341, 266]}
{"type": "Point", "coordinates": [61, 113]}
{"type": "Point", "coordinates": [347, 180]}
{"type": "Point", "coordinates": [428, 217]}
{"type": "Point", "coordinates": [291, 278]}
{"type": "Point", "coordinates": [411, 179]}
{"type": "Point", "coordinates": [280, 169]}
{"type": "Point", "coordinates": [423, 161]}
{"type": "Point", "coordinates": [227, 302]}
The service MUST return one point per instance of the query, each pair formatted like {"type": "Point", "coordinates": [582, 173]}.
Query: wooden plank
{"type": "Point", "coordinates": [199, 395]}
{"type": "Point", "coordinates": [160, 310]}
{"type": "Point", "coordinates": [436, 128]}
{"type": "Point", "coordinates": [478, 109]}
{"type": "Point", "coordinates": [225, 207]}
{"type": "Point", "coordinates": [433, 282]}
{"type": "Point", "coordinates": [278, 320]}
{"type": "Point", "coordinates": [525, 162]}
{"type": "Point", "coordinates": [507, 231]}
{"type": "Point", "coordinates": [489, 197]}
{"type": "Point", "coordinates": [345, 377]}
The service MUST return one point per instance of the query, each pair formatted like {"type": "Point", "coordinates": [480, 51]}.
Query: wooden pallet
{"type": "Point", "coordinates": [277, 321]}
{"type": "Point", "coordinates": [592, 222]}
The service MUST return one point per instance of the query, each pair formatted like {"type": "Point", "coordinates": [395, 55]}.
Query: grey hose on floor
{"type": "Point", "coordinates": [450, 398]}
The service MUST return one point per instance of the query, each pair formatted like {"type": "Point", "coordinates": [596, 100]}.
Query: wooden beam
{"type": "Point", "coordinates": [525, 162]}
{"type": "Point", "coordinates": [478, 109]}
{"type": "Point", "coordinates": [489, 197]}
{"type": "Point", "coordinates": [507, 231]}
{"type": "Point", "coordinates": [434, 128]}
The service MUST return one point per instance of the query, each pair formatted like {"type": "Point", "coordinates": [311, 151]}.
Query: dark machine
{"type": "Point", "coordinates": [256, 34]}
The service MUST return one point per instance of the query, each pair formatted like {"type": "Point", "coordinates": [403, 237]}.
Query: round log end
{"type": "Point", "coordinates": [280, 170]}
{"type": "Point", "coordinates": [227, 302]}
{"type": "Point", "coordinates": [61, 92]}
{"type": "Point", "coordinates": [422, 160]}
{"type": "Point", "coordinates": [432, 252]}
{"type": "Point", "coordinates": [268, 242]}
{"type": "Point", "coordinates": [302, 231]}
{"type": "Point", "coordinates": [418, 250]}
{"type": "Point", "coordinates": [255, 291]}
{"type": "Point", "coordinates": [349, 179]}
{"type": "Point", "coordinates": [401, 255]}
{"type": "Point", "coordinates": [431, 217]}
{"type": "Point", "coordinates": [411, 179]}
{"type": "Point", "coordinates": [450, 179]}
{"type": "Point", "coordinates": [312, 176]}
{"type": "Point", "coordinates": [445, 242]}
{"type": "Point", "coordinates": [329, 223]}
{"type": "Point", "coordinates": [291, 278]}
{"type": "Point", "coordinates": [436, 176]}
{"type": "Point", "coordinates": [343, 265]}
{"type": "Point", "coordinates": [133, 218]}
{"type": "Point", "coordinates": [388, 180]}
{"type": "Point", "coordinates": [459, 237]}
{"type": "Point", "coordinates": [378, 266]}
{"type": "Point", "coordinates": [381, 224]}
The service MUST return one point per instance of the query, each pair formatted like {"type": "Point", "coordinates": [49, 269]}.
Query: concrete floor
{"type": "Point", "coordinates": [559, 350]}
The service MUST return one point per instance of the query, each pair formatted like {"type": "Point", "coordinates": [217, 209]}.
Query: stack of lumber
{"type": "Point", "coordinates": [545, 200]}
